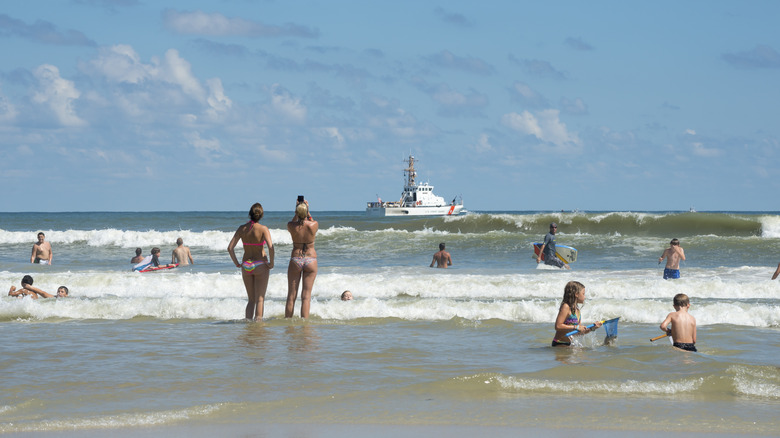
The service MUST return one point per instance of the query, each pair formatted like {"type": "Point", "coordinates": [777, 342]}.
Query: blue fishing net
{"type": "Point", "coordinates": [611, 327]}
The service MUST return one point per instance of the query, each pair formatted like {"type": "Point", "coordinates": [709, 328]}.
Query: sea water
{"type": "Point", "coordinates": [417, 346]}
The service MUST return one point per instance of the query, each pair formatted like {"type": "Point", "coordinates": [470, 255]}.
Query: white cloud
{"type": "Point", "coordinates": [217, 100]}
{"type": "Point", "coordinates": [690, 132]}
{"type": "Point", "coordinates": [700, 150]}
{"type": "Point", "coordinates": [334, 133]}
{"type": "Point", "coordinates": [120, 63]}
{"type": "Point", "coordinates": [204, 145]}
{"type": "Point", "coordinates": [483, 144]}
{"type": "Point", "coordinates": [176, 70]}
{"type": "Point", "coordinates": [575, 107]}
{"type": "Point", "coordinates": [287, 105]}
{"type": "Point", "coordinates": [216, 24]}
{"type": "Point", "coordinates": [8, 111]}
{"type": "Point", "coordinates": [58, 94]}
{"type": "Point", "coordinates": [546, 126]}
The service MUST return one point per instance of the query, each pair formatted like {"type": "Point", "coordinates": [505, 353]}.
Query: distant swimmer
{"type": "Point", "coordinates": [673, 255]}
{"type": "Point", "coordinates": [548, 249]}
{"type": "Point", "coordinates": [683, 329]}
{"type": "Point", "coordinates": [138, 257]}
{"type": "Point", "coordinates": [41, 251]}
{"type": "Point", "coordinates": [33, 292]}
{"type": "Point", "coordinates": [181, 254]}
{"type": "Point", "coordinates": [777, 272]}
{"type": "Point", "coordinates": [442, 258]}
{"type": "Point", "coordinates": [156, 259]}
{"type": "Point", "coordinates": [346, 296]}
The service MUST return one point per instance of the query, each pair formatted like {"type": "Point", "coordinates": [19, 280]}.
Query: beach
{"type": "Point", "coordinates": [419, 351]}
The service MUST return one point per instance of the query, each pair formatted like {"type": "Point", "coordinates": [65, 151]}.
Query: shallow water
{"type": "Point", "coordinates": [418, 346]}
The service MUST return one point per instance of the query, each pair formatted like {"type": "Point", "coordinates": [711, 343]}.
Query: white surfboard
{"type": "Point", "coordinates": [565, 253]}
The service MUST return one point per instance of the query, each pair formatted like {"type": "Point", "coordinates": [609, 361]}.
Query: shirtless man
{"type": "Point", "coordinates": [138, 257]}
{"type": "Point", "coordinates": [181, 254]}
{"type": "Point", "coordinates": [441, 258]}
{"type": "Point", "coordinates": [673, 255]}
{"type": "Point", "coordinates": [41, 251]}
{"type": "Point", "coordinates": [683, 330]}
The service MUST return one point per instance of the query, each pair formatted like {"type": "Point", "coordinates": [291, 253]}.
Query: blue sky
{"type": "Point", "coordinates": [165, 105]}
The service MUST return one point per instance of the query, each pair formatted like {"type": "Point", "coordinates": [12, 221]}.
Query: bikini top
{"type": "Point", "coordinates": [572, 319]}
{"type": "Point", "coordinates": [253, 244]}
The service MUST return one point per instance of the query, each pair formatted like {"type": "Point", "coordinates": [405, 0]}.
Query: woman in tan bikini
{"type": "Point", "coordinates": [255, 266]}
{"type": "Point", "coordinates": [303, 260]}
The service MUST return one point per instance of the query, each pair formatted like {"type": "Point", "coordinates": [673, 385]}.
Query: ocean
{"type": "Point", "coordinates": [456, 350]}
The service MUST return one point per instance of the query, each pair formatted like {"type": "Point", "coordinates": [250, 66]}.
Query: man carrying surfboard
{"type": "Point", "coordinates": [548, 250]}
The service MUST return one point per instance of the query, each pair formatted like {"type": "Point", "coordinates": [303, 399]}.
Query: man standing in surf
{"type": "Point", "coordinates": [442, 259]}
{"type": "Point", "coordinates": [548, 249]}
{"type": "Point", "coordinates": [673, 255]}
{"type": "Point", "coordinates": [41, 251]}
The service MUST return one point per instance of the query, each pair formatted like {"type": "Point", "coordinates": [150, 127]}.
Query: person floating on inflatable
{"type": "Point", "coordinates": [152, 262]}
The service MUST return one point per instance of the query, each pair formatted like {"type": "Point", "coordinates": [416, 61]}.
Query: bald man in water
{"type": "Point", "coordinates": [181, 254]}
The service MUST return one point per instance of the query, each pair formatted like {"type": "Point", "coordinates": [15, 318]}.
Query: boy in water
{"type": "Point", "coordinates": [34, 292]}
{"type": "Point", "coordinates": [683, 330]}
{"type": "Point", "coordinates": [673, 255]}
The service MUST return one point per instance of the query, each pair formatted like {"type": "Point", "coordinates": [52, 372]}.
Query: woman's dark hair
{"type": "Point", "coordinates": [27, 280]}
{"type": "Point", "coordinates": [256, 212]}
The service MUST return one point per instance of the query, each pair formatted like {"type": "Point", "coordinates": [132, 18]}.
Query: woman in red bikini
{"type": "Point", "coordinates": [303, 260]}
{"type": "Point", "coordinates": [255, 266]}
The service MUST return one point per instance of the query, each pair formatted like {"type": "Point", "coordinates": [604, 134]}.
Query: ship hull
{"type": "Point", "coordinates": [446, 210]}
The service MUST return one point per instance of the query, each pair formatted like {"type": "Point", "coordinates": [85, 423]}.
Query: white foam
{"type": "Point", "coordinates": [770, 226]}
{"type": "Point", "coordinates": [756, 381]}
{"type": "Point", "coordinates": [114, 421]}
{"type": "Point", "coordinates": [597, 386]}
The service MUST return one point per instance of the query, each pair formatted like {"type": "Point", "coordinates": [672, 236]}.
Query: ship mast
{"type": "Point", "coordinates": [409, 172]}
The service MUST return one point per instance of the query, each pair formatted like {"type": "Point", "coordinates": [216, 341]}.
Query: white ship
{"type": "Point", "coordinates": [416, 200]}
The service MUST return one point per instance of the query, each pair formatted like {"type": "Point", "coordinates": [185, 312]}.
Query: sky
{"type": "Point", "coordinates": [141, 105]}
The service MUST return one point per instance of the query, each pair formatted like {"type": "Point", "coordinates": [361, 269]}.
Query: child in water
{"type": "Point", "coordinates": [683, 330]}
{"type": "Point", "coordinates": [569, 314]}
{"type": "Point", "coordinates": [673, 255]}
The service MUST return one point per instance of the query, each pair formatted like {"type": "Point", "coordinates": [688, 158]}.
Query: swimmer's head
{"type": "Point", "coordinates": [302, 211]}
{"type": "Point", "coordinates": [441, 246]}
{"type": "Point", "coordinates": [256, 212]}
{"type": "Point", "coordinates": [41, 236]}
{"type": "Point", "coordinates": [155, 250]}
{"type": "Point", "coordinates": [179, 241]}
{"type": "Point", "coordinates": [675, 242]}
{"type": "Point", "coordinates": [681, 300]}
{"type": "Point", "coordinates": [138, 251]}
{"type": "Point", "coordinates": [346, 295]}
{"type": "Point", "coordinates": [27, 280]}
{"type": "Point", "coordinates": [62, 291]}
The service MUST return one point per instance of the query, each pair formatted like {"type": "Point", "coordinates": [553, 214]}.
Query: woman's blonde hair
{"type": "Point", "coordinates": [302, 211]}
